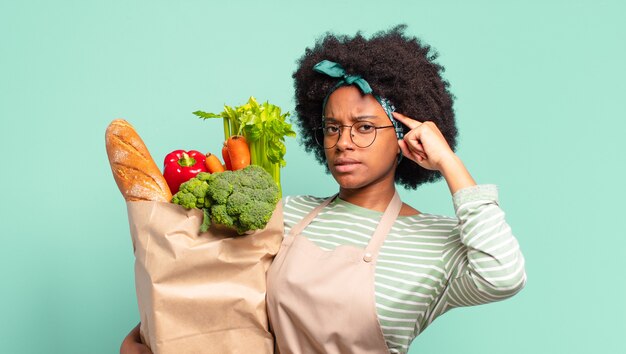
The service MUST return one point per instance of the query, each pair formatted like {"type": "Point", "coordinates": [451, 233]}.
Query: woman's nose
{"type": "Point", "coordinates": [345, 139]}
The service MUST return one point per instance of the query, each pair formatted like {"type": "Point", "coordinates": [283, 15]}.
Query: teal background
{"type": "Point", "coordinates": [539, 88]}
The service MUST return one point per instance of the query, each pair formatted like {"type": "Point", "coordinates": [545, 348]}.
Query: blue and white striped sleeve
{"type": "Point", "coordinates": [485, 263]}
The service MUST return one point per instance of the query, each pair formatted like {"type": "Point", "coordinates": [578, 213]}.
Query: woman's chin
{"type": "Point", "coordinates": [349, 181]}
{"type": "Point", "coordinates": [354, 181]}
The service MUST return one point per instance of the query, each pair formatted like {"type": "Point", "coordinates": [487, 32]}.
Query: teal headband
{"type": "Point", "coordinates": [335, 70]}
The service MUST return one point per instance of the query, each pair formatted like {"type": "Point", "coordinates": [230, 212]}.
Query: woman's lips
{"type": "Point", "coordinates": [344, 165]}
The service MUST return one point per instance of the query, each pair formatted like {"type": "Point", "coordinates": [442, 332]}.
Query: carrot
{"type": "Point", "coordinates": [226, 158]}
{"type": "Point", "coordinates": [213, 164]}
{"type": "Point", "coordinates": [238, 151]}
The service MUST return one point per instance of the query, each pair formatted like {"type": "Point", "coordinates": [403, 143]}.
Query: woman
{"type": "Point", "coordinates": [362, 272]}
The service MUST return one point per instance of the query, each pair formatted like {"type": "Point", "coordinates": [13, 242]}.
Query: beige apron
{"type": "Point", "coordinates": [322, 301]}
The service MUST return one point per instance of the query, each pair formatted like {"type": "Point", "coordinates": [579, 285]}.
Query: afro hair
{"type": "Point", "coordinates": [397, 67]}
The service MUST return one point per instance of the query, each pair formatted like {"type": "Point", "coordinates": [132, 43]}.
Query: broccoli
{"type": "Point", "coordinates": [192, 194]}
{"type": "Point", "coordinates": [220, 216]}
{"type": "Point", "coordinates": [255, 216]}
{"type": "Point", "coordinates": [237, 203]}
{"type": "Point", "coordinates": [244, 199]}
{"type": "Point", "coordinates": [221, 187]}
{"type": "Point", "coordinates": [205, 176]}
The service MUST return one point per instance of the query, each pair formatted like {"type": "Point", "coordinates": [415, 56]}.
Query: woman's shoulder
{"type": "Point", "coordinates": [301, 203]}
{"type": "Point", "coordinates": [428, 221]}
{"type": "Point", "coordinates": [296, 207]}
{"type": "Point", "coordinates": [307, 199]}
{"type": "Point", "coordinates": [420, 223]}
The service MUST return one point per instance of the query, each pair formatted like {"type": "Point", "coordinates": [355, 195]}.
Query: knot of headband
{"type": "Point", "coordinates": [333, 69]}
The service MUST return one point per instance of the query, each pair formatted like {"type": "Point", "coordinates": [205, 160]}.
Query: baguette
{"type": "Point", "coordinates": [134, 170]}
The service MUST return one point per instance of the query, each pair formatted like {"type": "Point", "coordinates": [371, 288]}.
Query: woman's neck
{"type": "Point", "coordinates": [374, 197]}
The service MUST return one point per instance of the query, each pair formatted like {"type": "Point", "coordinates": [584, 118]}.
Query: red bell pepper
{"type": "Point", "coordinates": [180, 166]}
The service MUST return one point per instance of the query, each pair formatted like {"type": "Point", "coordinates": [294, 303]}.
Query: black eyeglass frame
{"type": "Point", "coordinates": [341, 126]}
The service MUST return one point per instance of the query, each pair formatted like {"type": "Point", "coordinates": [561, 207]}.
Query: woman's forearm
{"type": "Point", "coordinates": [456, 175]}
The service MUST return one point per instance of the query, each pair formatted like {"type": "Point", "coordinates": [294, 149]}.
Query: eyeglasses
{"type": "Point", "coordinates": [362, 134]}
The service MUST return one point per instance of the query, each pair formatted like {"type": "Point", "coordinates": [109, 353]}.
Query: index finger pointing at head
{"type": "Point", "coordinates": [410, 123]}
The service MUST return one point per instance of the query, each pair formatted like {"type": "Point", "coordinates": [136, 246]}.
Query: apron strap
{"type": "Point", "coordinates": [307, 219]}
{"type": "Point", "coordinates": [383, 228]}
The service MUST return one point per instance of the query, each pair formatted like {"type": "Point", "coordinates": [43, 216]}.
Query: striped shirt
{"type": "Point", "coordinates": [428, 263]}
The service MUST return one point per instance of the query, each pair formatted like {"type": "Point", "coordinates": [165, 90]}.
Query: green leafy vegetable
{"type": "Point", "coordinates": [264, 126]}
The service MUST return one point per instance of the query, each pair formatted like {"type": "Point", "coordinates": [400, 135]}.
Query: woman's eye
{"type": "Point", "coordinates": [331, 129]}
{"type": "Point", "coordinates": [366, 128]}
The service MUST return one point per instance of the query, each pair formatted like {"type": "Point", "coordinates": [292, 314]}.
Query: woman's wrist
{"type": "Point", "coordinates": [456, 175]}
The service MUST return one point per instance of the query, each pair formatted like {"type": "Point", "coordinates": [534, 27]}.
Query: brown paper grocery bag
{"type": "Point", "coordinates": [201, 292]}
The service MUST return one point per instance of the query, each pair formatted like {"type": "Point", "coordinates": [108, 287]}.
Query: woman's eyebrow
{"type": "Point", "coordinates": [365, 117]}
{"type": "Point", "coordinates": [354, 118]}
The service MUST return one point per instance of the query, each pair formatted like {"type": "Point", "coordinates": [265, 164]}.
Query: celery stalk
{"type": "Point", "coordinates": [264, 128]}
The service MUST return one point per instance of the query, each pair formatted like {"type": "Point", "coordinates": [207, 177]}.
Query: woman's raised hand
{"type": "Point", "coordinates": [425, 144]}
